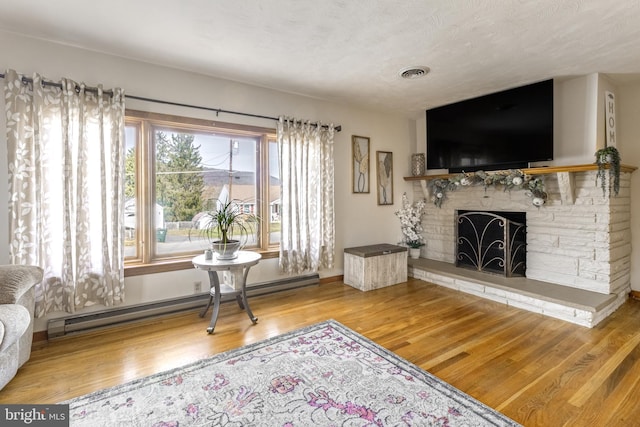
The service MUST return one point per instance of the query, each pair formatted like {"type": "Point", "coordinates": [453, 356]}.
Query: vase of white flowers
{"type": "Point", "coordinates": [411, 224]}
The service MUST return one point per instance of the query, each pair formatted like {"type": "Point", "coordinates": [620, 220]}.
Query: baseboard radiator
{"type": "Point", "coordinates": [57, 328]}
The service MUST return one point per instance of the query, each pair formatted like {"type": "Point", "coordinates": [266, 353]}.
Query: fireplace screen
{"type": "Point", "coordinates": [494, 242]}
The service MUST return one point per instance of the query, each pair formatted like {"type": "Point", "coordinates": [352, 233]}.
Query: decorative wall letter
{"type": "Point", "coordinates": [610, 115]}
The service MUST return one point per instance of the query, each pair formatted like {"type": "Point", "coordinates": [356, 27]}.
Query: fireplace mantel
{"type": "Point", "coordinates": [530, 171]}
{"type": "Point", "coordinates": [563, 173]}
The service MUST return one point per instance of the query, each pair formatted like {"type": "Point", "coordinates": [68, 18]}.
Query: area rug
{"type": "Point", "coordinates": [321, 375]}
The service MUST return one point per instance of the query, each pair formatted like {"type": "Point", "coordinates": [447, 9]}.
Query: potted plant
{"type": "Point", "coordinates": [608, 158]}
{"type": "Point", "coordinates": [227, 228]}
{"type": "Point", "coordinates": [414, 248]}
{"type": "Point", "coordinates": [411, 225]}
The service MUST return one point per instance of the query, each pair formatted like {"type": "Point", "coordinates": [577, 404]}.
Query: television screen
{"type": "Point", "coordinates": [503, 130]}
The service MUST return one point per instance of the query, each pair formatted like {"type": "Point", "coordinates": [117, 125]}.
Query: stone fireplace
{"type": "Point", "coordinates": [578, 239]}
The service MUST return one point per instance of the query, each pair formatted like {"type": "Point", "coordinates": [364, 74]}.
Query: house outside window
{"type": "Point", "coordinates": [178, 168]}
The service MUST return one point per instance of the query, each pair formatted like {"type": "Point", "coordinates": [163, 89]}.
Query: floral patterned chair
{"type": "Point", "coordinates": [17, 304]}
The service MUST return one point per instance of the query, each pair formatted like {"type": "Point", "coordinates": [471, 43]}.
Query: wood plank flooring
{"type": "Point", "coordinates": [536, 370]}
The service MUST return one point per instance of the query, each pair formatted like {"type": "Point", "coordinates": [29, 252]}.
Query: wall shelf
{"type": "Point", "coordinates": [529, 171]}
{"type": "Point", "coordinates": [564, 175]}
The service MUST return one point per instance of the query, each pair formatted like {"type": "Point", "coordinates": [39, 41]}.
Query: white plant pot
{"type": "Point", "coordinates": [414, 253]}
{"type": "Point", "coordinates": [228, 250]}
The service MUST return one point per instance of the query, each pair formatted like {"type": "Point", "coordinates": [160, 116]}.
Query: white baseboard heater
{"type": "Point", "coordinates": [60, 327]}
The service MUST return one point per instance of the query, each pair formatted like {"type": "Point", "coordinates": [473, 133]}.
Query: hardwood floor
{"type": "Point", "coordinates": [536, 370]}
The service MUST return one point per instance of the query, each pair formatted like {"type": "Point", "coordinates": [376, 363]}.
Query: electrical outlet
{"type": "Point", "coordinates": [197, 287]}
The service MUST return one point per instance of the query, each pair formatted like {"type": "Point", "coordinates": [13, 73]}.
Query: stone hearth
{"type": "Point", "coordinates": [578, 239]}
{"type": "Point", "coordinates": [585, 308]}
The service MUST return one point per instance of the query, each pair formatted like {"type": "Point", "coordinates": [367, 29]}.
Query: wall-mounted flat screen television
{"type": "Point", "coordinates": [503, 130]}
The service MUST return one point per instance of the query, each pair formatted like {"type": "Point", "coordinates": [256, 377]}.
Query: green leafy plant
{"type": "Point", "coordinates": [608, 158]}
{"type": "Point", "coordinates": [415, 244]}
{"type": "Point", "coordinates": [226, 222]}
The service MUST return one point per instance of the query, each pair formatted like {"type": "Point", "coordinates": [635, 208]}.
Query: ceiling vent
{"type": "Point", "coordinates": [413, 72]}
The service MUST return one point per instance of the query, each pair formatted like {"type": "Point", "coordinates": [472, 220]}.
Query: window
{"type": "Point", "coordinates": [177, 168]}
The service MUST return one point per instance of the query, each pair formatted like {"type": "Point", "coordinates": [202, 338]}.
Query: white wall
{"type": "Point", "coordinates": [359, 220]}
{"type": "Point", "coordinates": [604, 84]}
{"type": "Point", "coordinates": [574, 121]}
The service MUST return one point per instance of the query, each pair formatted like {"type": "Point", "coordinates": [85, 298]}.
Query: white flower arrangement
{"type": "Point", "coordinates": [411, 222]}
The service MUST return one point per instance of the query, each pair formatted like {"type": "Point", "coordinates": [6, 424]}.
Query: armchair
{"type": "Point", "coordinates": [17, 304]}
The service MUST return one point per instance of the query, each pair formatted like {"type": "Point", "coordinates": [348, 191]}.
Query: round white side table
{"type": "Point", "coordinates": [244, 261]}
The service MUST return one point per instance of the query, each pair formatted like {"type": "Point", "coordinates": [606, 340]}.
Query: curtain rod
{"type": "Point", "coordinates": [338, 128]}
{"type": "Point", "coordinates": [25, 80]}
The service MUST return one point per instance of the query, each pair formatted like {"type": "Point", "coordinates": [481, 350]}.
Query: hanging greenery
{"type": "Point", "coordinates": [513, 179]}
{"type": "Point", "coordinates": [608, 158]}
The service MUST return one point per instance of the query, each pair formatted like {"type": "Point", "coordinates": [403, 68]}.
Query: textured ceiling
{"type": "Point", "coordinates": [351, 51]}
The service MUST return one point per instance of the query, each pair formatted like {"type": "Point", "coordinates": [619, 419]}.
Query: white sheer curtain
{"type": "Point", "coordinates": [65, 154]}
{"type": "Point", "coordinates": [306, 172]}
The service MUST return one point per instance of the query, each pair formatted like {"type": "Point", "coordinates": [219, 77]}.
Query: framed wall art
{"type": "Point", "coordinates": [384, 172]}
{"type": "Point", "coordinates": [360, 164]}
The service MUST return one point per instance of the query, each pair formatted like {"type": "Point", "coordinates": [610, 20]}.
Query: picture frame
{"type": "Point", "coordinates": [360, 178]}
{"type": "Point", "coordinates": [384, 174]}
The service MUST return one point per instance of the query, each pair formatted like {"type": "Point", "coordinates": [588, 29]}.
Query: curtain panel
{"type": "Point", "coordinates": [66, 169]}
{"type": "Point", "coordinates": [307, 180]}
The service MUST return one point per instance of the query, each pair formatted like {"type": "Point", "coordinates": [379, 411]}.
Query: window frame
{"type": "Point", "coordinates": [146, 261]}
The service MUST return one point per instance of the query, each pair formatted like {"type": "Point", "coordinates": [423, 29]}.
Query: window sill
{"type": "Point", "coordinates": [183, 263]}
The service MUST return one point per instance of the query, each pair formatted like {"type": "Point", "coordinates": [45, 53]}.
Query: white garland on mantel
{"type": "Point", "coordinates": [513, 179]}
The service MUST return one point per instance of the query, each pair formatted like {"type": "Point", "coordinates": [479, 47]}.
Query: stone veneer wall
{"type": "Point", "coordinates": [585, 244]}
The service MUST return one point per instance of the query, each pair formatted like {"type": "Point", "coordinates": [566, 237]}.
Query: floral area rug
{"type": "Point", "coordinates": [321, 375]}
